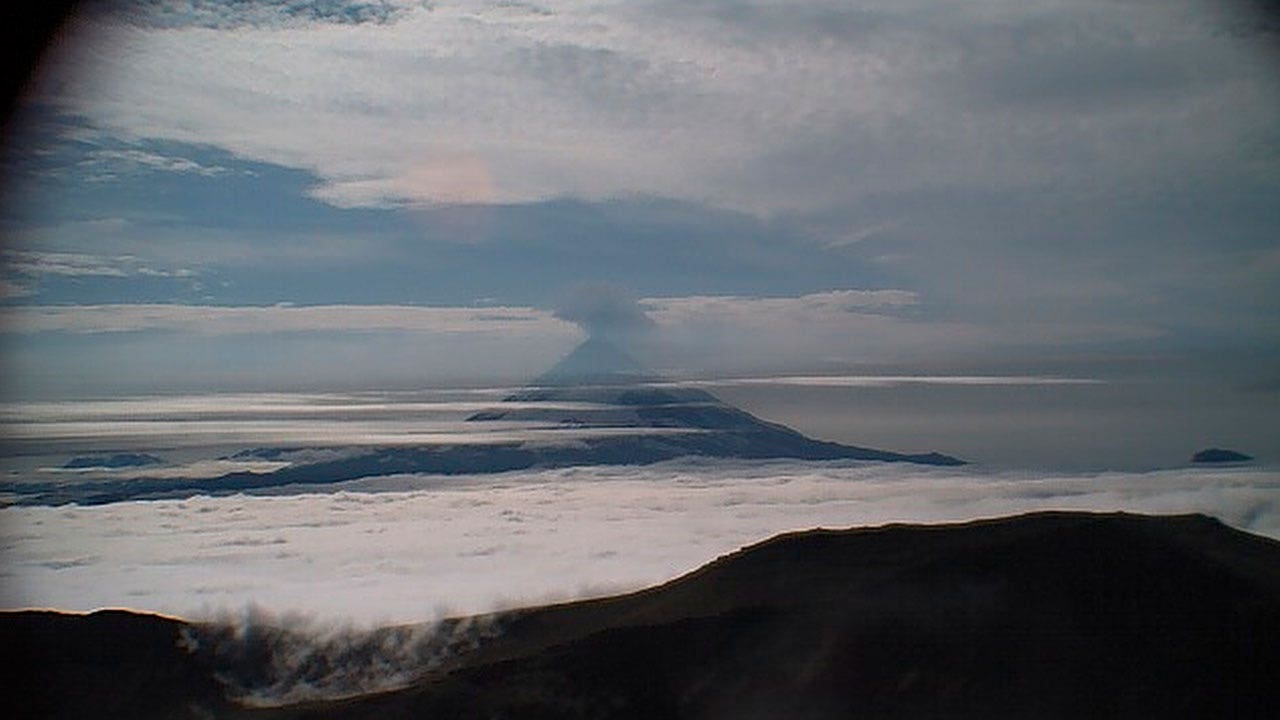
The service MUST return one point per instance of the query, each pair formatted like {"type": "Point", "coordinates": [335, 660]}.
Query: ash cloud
{"type": "Point", "coordinates": [603, 310]}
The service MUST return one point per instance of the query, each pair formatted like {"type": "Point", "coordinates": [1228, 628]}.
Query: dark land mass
{"type": "Point", "coordinates": [115, 460]}
{"type": "Point", "coordinates": [642, 420]}
{"type": "Point", "coordinates": [1048, 615]}
{"type": "Point", "coordinates": [1218, 455]}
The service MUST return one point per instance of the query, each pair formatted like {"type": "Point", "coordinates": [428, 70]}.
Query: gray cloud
{"type": "Point", "coordinates": [34, 264]}
{"type": "Point", "coordinates": [240, 13]}
{"type": "Point", "coordinates": [220, 320]}
{"type": "Point", "coordinates": [602, 309]}
{"type": "Point", "coordinates": [818, 108]}
{"type": "Point", "coordinates": [700, 336]}
{"type": "Point", "coordinates": [661, 100]}
{"type": "Point", "coordinates": [1049, 172]}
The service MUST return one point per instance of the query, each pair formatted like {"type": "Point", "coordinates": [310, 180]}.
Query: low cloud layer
{"type": "Point", "coordinates": [415, 548]}
{"type": "Point", "coordinates": [217, 320]}
{"type": "Point", "coordinates": [693, 335]}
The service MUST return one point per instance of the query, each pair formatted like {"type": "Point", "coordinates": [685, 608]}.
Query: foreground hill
{"type": "Point", "coordinates": [1042, 615]}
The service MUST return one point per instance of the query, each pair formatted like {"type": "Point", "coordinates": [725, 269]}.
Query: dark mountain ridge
{"type": "Point", "coordinates": [1219, 455]}
{"type": "Point", "coordinates": [1041, 615]}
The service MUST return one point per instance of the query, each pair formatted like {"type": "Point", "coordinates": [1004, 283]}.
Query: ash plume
{"type": "Point", "coordinates": [603, 310]}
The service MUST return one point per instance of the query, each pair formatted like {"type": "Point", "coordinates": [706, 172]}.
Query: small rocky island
{"type": "Point", "coordinates": [1219, 455]}
{"type": "Point", "coordinates": [112, 462]}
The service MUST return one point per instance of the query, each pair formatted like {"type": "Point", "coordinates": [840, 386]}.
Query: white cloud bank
{"type": "Point", "coordinates": [411, 548]}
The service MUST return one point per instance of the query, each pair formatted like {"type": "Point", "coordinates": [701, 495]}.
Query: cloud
{"type": "Point", "coordinates": [256, 13]}
{"type": "Point", "coordinates": [693, 337]}
{"type": "Point", "coordinates": [814, 305]}
{"type": "Point", "coordinates": [1074, 170]}
{"type": "Point", "coordinates": [35, 264]}
{"type": "Point", "coordinates": [1044, 175]}
{"type": "Point", "coordinates": [12, 289]}
{"type": "Point", "coordinates": [107, 163]}
{"type": "Point", "coordinates": [267, 659]}
{"type": "Point", "coordinates": [602, 309]}
{"type": "Point", "coordinates": [219, 320]}
{"type": "Point", "coordinates": [764, 108]}
{"type": "Point", "coordinates": [882, 381]}
{"type": "Point", "coordinates": [734, 334]}
{"type": "Point", "coordinates": [360, 553]}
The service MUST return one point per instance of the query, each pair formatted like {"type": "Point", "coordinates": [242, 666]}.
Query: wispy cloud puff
{"type": "Point", "coordinates": [105, 164]}
{"type": "Point", "coordinates": [32, 263]}
{"type": "Point", "coordinates": [411, 548]}
{"type": "Point", "coordinates": [309, 660]}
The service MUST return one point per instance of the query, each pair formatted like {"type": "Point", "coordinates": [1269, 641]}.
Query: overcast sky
{"type": "Point", "coordinates": [356, 193]}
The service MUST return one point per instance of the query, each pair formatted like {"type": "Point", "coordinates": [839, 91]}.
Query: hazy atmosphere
{"type": "Point", "coordinates": [396, 195]}
{"type": "Point", "coordinates": [252, 249]}
{"type": "Point", "coordinates": [640, 359]}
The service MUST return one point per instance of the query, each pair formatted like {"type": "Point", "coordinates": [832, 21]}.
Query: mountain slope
{"type": "Point", "coordinates": [1048, 615]}
{"type": "Point", "coordinates": [623, 395]}
{"type": "Point", "coordinates": [595, 360]}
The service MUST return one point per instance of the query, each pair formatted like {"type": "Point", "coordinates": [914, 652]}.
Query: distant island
{"type": "Point", "coordinates": [111, 462]}
{"type": "Point", "coordinates": [1219, 455]}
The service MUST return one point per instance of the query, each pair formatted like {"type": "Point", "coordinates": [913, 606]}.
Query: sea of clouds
{"type": "Point", "coordinates": [418, 548]}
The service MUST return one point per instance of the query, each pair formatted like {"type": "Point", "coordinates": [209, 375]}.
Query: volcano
{"type": "Point", "coordinates": [597, 406]}
{"type": "Point", "coordinates": [609, 389]}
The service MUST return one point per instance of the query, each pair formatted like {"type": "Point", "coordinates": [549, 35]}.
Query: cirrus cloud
{"type": "Point", "coordinates": [767, 108]}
